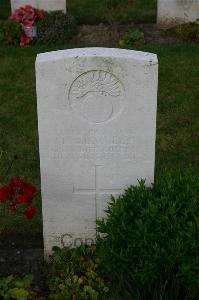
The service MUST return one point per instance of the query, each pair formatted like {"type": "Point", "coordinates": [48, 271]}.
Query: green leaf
{"type": "Point", "coordinates": [19, 294]}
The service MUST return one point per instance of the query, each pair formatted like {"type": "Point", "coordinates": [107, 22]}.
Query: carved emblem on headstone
{"type": "Point", "coordinates": [97, 96]}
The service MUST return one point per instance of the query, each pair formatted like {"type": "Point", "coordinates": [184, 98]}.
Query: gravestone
{"type": "Point", "coordinates": [47, 5]}
{"type": "Point", "coordinates": [18, 3]}
{"type": "Point", "coordinates": [52, 5]}
{"type": "Point", "coordinates": [97, 128]}
{"type": "Point", "coordinates": [173, 12]}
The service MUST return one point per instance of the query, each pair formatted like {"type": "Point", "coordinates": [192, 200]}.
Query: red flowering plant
{"type": "Point", "coordinates": [17, 197]}
{"type": "Point", "coordinates": [27, 16]}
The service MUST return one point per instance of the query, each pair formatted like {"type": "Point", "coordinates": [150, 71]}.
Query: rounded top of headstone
{"type": "Point", "coordinates": [98, 52]}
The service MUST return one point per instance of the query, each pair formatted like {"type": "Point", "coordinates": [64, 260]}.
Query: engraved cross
{"type": "Point", "coordinates": [97, 191]}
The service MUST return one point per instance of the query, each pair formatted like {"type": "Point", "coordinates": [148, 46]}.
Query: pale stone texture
{"type": "Point", "coordinates": [47, 5]}
{"type": "Point", "coordinates": [173, 12]}
{"type": "Point", "coordinates": [18, 3]}
{"type": "Point", "coordinates": [97, 128]}
{"type": "Point", "coordinates": [51, 5]}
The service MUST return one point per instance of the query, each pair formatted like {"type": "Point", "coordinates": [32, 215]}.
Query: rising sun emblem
{"type": "Point", "coordinates": [97, 96]}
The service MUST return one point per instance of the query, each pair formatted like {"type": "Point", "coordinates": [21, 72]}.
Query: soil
{"type": "Point", "coordinates": [20, 254]}
{"type": "Point", "coordinates": [104, 35]}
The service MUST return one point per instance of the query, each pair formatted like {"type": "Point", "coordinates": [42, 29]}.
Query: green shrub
{"type": "Point", "coordinates": [74, 275]}
{"type": "Point", "coordinates": [114, 3]}
{"type": "Point", "coordinates": [57, 28]}
{"type": "Point", "coordinates": [113, 11]}
{"type": "Point", "coordinates": [188, 31]}
{"type": "Point", "coordinates": [150, 247]}
{"type": "Point", "coordinates": [131, 39]}
{"type": "Point", "coordinates": [16, 288]}
{"type": "Point", "coordinates": [10, 32]}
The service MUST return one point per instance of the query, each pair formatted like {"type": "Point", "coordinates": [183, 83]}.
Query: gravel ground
{"type": "Point", "coordinates": [104, 35]}
{"type": "Point", "coordinates": [20, 254]}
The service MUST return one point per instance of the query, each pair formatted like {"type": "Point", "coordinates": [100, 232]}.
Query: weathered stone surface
{"type": "Point", "coordinates": [18, 3]}
{"type": "Point", "coordinates": [47, 5]}
{"type": "Point", "coordinates": [173, 12]}
{"type": "Point", "coordinates": [97, 128]}
{"type": "Point", "coordinates": [51, 5]}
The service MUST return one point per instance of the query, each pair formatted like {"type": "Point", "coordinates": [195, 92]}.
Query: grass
{"type": "Point", "coordinates": [177, 117]}
{"type": "Point", "coordinates": [19, 152]}
{"type": "Point", "coordinates": [5, 9]}
{"type": "Point", "coordinates": [97, 11]}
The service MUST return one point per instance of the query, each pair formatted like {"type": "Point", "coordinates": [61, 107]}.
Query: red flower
{"type": "Point", "coordinates": [28, 23]}
{"type": "Point", "coordinates": [40, 15]}
{"type": "Point", "coordinates": [28, 9]}
{"type": "Point", "coordinates": [25, 198]}
{"type": "Point", "coordinates": [21, 199]}
{"type": "Point", "coordinates": [18, 183]}
{"type": "Point", "coordinates": [4, 194]}
{"type": "Point", "coordinates": [27, 15]}
{"type": "Point", "coordinates": [28, 187]}
{"type": "Point", "coordinates": [26, 194]}
{"type": "Point", "coordinates": [24, 40]}
{"type": "Point", "coordinates": [19, 192]}
{"type": "Point", "coordinates": [30, 212]}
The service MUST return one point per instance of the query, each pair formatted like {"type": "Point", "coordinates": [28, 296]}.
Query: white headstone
{"type": "Point", "coordinates": [51, 5]}
{"type": "Point", "coordinates": [47, 5]}
{"type": "Point", "coordinates": [97, 128]}
{"type": "Point", "coordinates": [18, 3]}
{"type": "Point", "coordinates": [173, 12]}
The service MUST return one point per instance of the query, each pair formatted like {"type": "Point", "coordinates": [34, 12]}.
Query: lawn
{"type": "Point", "coordinates": [108, 11]}
{"type": "Point", "coordinates": [177, 116]}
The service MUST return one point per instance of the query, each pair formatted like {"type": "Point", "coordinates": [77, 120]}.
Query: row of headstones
{"type": "Point", "coordinates": [170, 12]}
{"type": "Point", "coordinates": [173, 12]}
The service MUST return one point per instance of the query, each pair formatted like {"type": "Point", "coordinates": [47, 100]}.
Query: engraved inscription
{"type": "Point", "coordinates": [186, 3]}
{"type": "Point", "coordinates": [88, 146]}
{"type": "Point", "coordinates": [97, 96]}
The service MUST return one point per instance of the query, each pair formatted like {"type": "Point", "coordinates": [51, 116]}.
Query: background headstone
{"type": "Point", "coordinates": [47, 5]}
{"type": "Point", "coordinates": [51, 5]}
{"type": "Point", "coordinates": [173, 12]}
{"type": "Point", "coordinates": [18, 3]}
{"type": "Point", "coordinates": [97, 128]}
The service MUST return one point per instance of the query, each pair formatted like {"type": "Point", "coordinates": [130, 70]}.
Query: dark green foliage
{"type": "Point", "coordinates": [5, 9]}
{"type": "Point", "coordinates": [56, 28]}
{"type": "Point", "coordinates": [151, 244]}
{"type": "Point", "coordinates": [10, 32]}
{"type": "Point", "coordinates": [188, 31]}
{"type": "Point", "coordinates": [74, 275]}
{"type": "Point", "coordinates": [115, 3]}
{"type": "Point", "coordinates": [16, 288]}
{"type": "Point", "coordinates": [108, 11]}
{"type": "Point", "coordinates": [135, 38]}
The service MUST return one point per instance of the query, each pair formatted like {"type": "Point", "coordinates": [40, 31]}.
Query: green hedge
{"type": "Point", "coordinates": [150, 244]}
{"type": "Point", "coordinates": [10, 32]}
{"type": "Point", "coordinates": [57, 28]}
{"type": "Point", "coordinates": [188, 31]}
